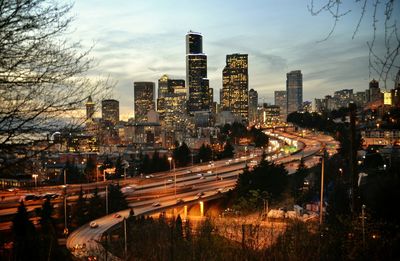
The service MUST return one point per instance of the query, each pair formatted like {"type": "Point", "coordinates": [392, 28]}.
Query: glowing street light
{"type": "Point", "coordinates": [170, 168]}
{"type": "Point", "coordinates": [35, 176]}
{"type": "Point", "coordinates": [170, 163]}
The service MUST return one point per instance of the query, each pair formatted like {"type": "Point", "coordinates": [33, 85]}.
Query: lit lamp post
{"type": "Point", "coordinates": [35, 176]}
{"type": "Point", "coordinates": [65, 209]}
{"type": "Point", "coordinates": [170, 160]}
{"type": "Point", "coordinates": [170, 167]}
{"type": "Point", "coordinates": [321, 204]}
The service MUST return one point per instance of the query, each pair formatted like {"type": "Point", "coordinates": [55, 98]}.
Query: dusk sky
{"type": "Point", "coordinates": [142, 40]}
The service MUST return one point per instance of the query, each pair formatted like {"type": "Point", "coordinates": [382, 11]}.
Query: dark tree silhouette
{"type": "Point", "coordinates": [26, 244]}
{"type": "Point", "coordinates": [96, 206]}
{"type": "Point", "coordinates": [384, 45]}
{"type": "Point", "coordinates": [205, 153]}
{"type": "Point", "coordinates": [116, 199]}
{"type": "Point", "coordinates": [80, 216]}
{"type": "Point", "coordinates": [229, 151]}
{"type": "Point", "coordinates": [42, 74]}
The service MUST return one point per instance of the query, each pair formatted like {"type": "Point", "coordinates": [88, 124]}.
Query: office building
{"type": "Point", "coordinates": [281, 100]}
{"type": "Point", "coordinates": [374, 91]}
{"type": "Point", "coordinates": [271, 114]}
{"type": "Point", "coordinates": [235, 85]}
{"type": "Point", "coordinates": [110, 111]}
{"type": "Point", "coordinates": [197, 84]}
{"type": "Point", "coordinates": [174, 116]}
{"type": "Point", "coordinates": [253, 103]}
{"type": "Point", "coordinates": [359, 99]}
{"type": "Point", "coordinates": [294, 91]}
{"type": "Point", "coordinates": [343, 97]}
{"type": "Point", "coordinates": [143, 99]}
{"type": "Point", "coordinates": [168, 88]}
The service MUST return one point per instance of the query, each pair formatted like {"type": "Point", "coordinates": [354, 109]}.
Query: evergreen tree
{"type": "Point", "coordinates": [80, 210]}
{"type": "Point", "coordinates": [178, 227]}
{"type": "Point", "coordinates": [119, 170]}
{"type": "Point", "coordinates": [182, 155]}
{"type": "Point", "coordinates": [155, 162]}
{"type": "Point", "coordinates": [96, 206]}
{"type": "Point", "coordinates": [26, 244]}
{"type": "Point", "coordinates": [228, 151]}
{"type": "Point", "coordinates": [146, 166]}
{"type": "Point", "coordinates": [266, 177]}
{"type": "Point", "coordinates": [116, 199]}
{"type": "Point", "coordinates": [297, 179]}
{"type": "Point", "coordinates": [90, 169]}
{"type": "Point", "coordinates": [49, 242]}
{"type": "Point", "coordinates": [165, 163]}
{"type": "Point", "coordinates": [205, 153]}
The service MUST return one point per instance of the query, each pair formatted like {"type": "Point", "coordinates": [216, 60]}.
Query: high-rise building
{"type": "Point", "coordinates": [253, 103]}
{"type": "Point", "coordinates": [89, 108]}
{"type": "Point", "coordinates": [294, 91]}
{"type": "Point", "coordinates": [110, 111]}
{"type": "Point", "coordinates": [359, 99]}
{"type": "Point", "coordinates": [281, 100]}
{"type": "Point", "coordinates": [343, 97]}
{"type": "Point", "coordinates": [166, 88]}
{"type": "Point", "coordinates": [397, 81]}
{"type": "Point", "coordinates": [235, 85]}
{"type": "Point", "coordinates": [174, 114]}
{"type": "Point", "coordinates": [374, 91]}
{"type": "Point", "coordinates": [396, 91]}
{"type": "Point", "coordinates": [144, 93]}
{"type": "Point", "coordinates": [197, 84]}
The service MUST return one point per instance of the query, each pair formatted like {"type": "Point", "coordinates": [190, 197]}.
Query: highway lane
{"type": "Point", "coordinates": [188, 179]}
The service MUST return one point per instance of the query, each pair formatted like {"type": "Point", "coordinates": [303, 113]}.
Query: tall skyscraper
{"type": "Point", "coordinates": [253, 103]}
{"type": "Point", "coordinates": [144, 93]}
{"type": "Point", "coordinates": [175, 117]}
{"type": "Point", "coordinates": [281, 100]}
{"type": "Point", "coordinates": [110, 111]}
{"type": "Point", "coordinates": [89, 108]}
{"type": "Point", "coordinates": [294, 91]}
{"type": "Point", "coordinates": [235, 85]}
{"type": "Point", "coordinates": [197, 84]}
{"type": "Point", "coordinates": [171, 101]}
{"type": "Point", "coordinates": [374, 91]}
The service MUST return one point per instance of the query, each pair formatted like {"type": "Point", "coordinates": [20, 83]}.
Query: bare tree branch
{"type": "Point", "coordinates": [43, 78]}
{"type": "Point", "coordinates": [385, 65]}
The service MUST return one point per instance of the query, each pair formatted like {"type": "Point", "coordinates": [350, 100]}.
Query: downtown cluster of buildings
{"type": "Point", "coordinates": [185, 110]}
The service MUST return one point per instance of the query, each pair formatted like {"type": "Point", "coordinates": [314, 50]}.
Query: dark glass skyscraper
{"type": "Point", "coordinates": [294, 91]}
{"type": "Point", "coordinates": [253, 103]}
{"type": "Point", "coordinates": [235, 85]}
{"type": "Point", "coordinates": [144, 99]}
{"type": "Point", "coordinates": [110, 111]}
{"type": "Point", "coordinates": [197, 84]}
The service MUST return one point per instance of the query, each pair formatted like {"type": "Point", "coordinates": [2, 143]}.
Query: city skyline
{"type": "Point", "coordinates": [278, 37]}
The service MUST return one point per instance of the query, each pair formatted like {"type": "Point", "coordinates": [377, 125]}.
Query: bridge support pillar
{"type": "Point", "coordinates": [185, 212]}
{"type": "Point", "coordinates": [201, 208]}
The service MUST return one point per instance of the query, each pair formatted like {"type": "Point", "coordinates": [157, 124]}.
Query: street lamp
{"type": "Point", "coordinates": [35, 176]}
{"type": "Point", "coordinates": [321, 203]}
{"type": "Point", "coordinates": [65, 209]}
{"type": "Point", "coordinates": [170, 167]}
{"type": "Point", "coordinates": [170, 160]}
{"type": "Point", "coordinates": [363, 223]}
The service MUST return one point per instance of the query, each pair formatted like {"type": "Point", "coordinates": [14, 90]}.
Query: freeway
{"type": "Point", "coordinates": [210, 187]}
{"type": "Point", "coordinates": [212, 179]}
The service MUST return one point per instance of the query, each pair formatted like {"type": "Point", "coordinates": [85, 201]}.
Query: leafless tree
{"type": "Point", "coordinates": [382, 61]}
{"type": "Point", "coordinates": [44, 79]}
